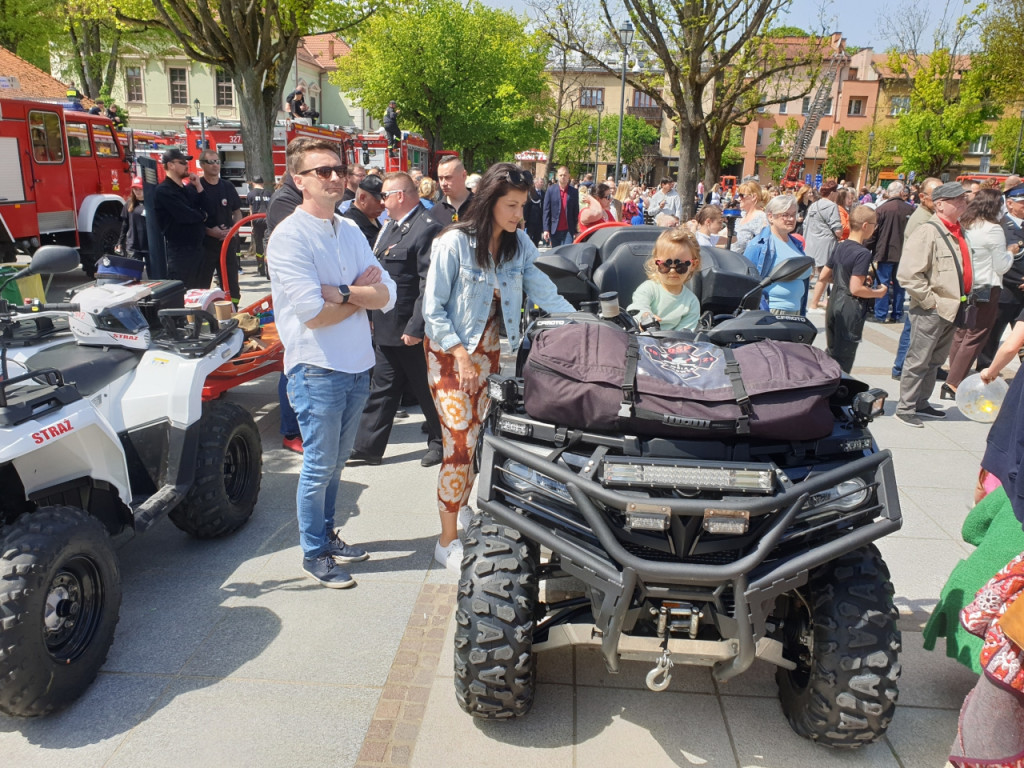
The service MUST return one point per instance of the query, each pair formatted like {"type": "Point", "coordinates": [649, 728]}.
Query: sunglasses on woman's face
{"type": "Point", "coordinates": [740, 196]}
{"type": "Point", "coordinates": [668, 265]}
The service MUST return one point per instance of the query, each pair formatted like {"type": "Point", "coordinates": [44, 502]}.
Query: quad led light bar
{"type": "Point", "coordinates": [685, 475]}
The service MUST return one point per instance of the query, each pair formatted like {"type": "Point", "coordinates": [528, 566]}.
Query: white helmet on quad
{"type": "Point", "coordinates": [109, 316]}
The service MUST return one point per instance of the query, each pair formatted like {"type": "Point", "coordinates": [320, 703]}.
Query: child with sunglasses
{"type": "Point", "coordinates": [664, 296]}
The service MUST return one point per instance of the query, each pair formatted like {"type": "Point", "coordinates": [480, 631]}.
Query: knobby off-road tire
{"type": "Point", "coordinates": [60, 594]}
{"type": "Point", "coordinates": [495, 670]}
{"type": "Point", "coordinates": [106, 231]}
{"type": "Point", "coordinates": [229, 466]}
{"type": "Point", "coordinates": [846, 646]}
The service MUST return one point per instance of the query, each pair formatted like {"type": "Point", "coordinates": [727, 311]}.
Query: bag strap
{"type": "Point", "coordinates": [629, 377]}
{"type": "Point", "coordinates": [732, 370]}
{"type": "Point", "coordinates": [956, 261]}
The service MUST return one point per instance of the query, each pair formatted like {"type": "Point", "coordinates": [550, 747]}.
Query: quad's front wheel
{"type": "Point", "coordinates": [229, 465]}
{"type": "Point", "coordinates": [841, 633]}
{"type": "Point", "coordinates": [60, 594]}
{"type": "Point", "coordinates": [495, 672]}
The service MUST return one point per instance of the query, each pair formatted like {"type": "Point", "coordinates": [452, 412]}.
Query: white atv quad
{"type": "Point", "coordinates": [102, 431]}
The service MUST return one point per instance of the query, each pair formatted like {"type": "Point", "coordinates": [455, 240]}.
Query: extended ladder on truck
{"type": "Point", "coordinates": [815, 112]}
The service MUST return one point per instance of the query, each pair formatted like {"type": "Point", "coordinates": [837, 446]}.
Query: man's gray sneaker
{"type": "Point", "coordinates": [344, 553]}
{"type": "Point", "coordinates": [323, 570]}
{"type": "Point", "coordinates": [910, 419]}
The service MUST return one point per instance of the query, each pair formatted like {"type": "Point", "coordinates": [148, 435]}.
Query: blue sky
{"type": "Point", "coordinates": [857, 20]}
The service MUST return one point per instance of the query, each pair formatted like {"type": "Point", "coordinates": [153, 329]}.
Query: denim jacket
{"type": "Point", "coordinates": [457, 298]}
{"type": "Point", "coordinates": [761, 253]}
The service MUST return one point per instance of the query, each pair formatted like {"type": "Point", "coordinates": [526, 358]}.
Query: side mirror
{"type": "Point", "coordinates": [52, 259]}
{"type": "Point", "coordinates": [790, 269]}
{"type": "Point", "coordinates": [557, 265]}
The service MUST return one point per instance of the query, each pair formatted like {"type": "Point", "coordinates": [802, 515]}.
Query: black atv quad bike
{"type": "Point", "coordinates": [710, 552]}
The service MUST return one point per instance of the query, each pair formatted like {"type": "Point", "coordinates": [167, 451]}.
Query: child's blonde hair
{"type": "Point", "coordinates": [670, 241]}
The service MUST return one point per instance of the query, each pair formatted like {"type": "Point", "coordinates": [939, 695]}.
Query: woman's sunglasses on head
{"type": "Point", "coordinates": [668, 265]}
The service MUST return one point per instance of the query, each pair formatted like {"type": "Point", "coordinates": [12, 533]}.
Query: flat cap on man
{"type": "Point", "coordinates": [948, 191]}
{"type": "Point", "coordinates": [174, 154]}
{"type": "Point", "coordinates": [372, 184]}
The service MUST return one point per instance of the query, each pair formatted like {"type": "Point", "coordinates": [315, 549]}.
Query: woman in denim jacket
{"type": "Point", "coordinates": [480, 268]}
{"type": "Point", "coordinates": [776, 243]}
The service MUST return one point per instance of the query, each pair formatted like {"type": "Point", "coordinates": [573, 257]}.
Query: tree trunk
{"type": "Point", "coordinates": [257, 108]}
{"type": "Point", "coordinates": [111, 73]}
{"type": "Point", "coordinates": [712, 163]}
{"type": "Point", "coordinates": [689, 162]}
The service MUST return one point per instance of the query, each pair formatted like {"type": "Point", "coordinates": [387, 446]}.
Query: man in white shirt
{"type": "Point", "coordinates": [324, 280]}
{"type": "Point", "coordinates": [666, 200]}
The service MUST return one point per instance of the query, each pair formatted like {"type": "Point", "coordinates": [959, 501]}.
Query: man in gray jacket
{"type": "Point", "coordinates": [935, 270]}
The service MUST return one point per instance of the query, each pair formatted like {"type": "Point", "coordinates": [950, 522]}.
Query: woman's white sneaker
{"type": "Point", "coordinates": [451, 556]}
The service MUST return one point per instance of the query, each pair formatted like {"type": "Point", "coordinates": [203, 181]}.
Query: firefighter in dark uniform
{"type": "Point", "coordinates": [404, 251]}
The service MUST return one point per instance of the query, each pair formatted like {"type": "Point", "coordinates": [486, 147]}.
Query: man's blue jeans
{"type": "Point", "coordinates": [289, 422]}
{"type": "Point", "coordinates": [902, 347]}
{"type": "Point", "coordinates": [887, 276]}
{"type": "Point", "coordinates": [328, 405]}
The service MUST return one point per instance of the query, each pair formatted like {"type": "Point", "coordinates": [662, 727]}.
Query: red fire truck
{"type": "Point", "coordinates": [369, 149]}
{"type": "Point", "coordinates": [64, 179]}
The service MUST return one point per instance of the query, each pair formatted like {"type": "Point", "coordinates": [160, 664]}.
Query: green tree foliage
{"type": "Point", "coordinates": [733, 152]}
{"type": "Point", "coordinates": [877, 152]}
{"type": "Point", "coordinates": [776, 154]}
{"type": "Point", "coordinates": [26, 27]}
{"type": "Point", "coordinates": [1002, 41]}
{"type": "Point", "coordinates": [1004, 143]}
{"type": "Point", "coordinates": [842, 153]}
{"type": "Point", "coordinates": [576, 145]}
{"type": "Point", "coordinates": [467, 76]}
{"type": "Point", "coordinates": [786, 31]}
{"type": "Point", "coordinates": [946, 114]}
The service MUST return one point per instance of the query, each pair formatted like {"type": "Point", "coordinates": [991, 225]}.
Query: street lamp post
{"type": "Point", "coordinates": [597, 149]}
{"type": "Point", "coordinates": [590, 143]}
{"type": "Point", "coordinates": [1020, 134]}
{"type": "Point", "coordinates": [202, 125]}
{"type": "Point", "coordinates": [625, 38]}
{"type": "Point", "coordinates": [867, 160]}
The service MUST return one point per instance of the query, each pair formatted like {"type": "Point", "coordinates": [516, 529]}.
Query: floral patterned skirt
{"type": "Point", "coordinates": [460, 413]}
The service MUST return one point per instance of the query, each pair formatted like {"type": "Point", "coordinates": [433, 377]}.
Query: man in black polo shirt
{"type": "Point", "coordinates": [223, 207]}
{"type": "Point", "coordinates": [451, 177]}
{"type": "Point", "coordinates": [367, 207]}
{"type": "Point", "coordinates": [180, 218]}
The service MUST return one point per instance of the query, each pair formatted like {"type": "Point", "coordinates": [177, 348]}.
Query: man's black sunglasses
{"type": "Point", "coordinates": [324, 172]}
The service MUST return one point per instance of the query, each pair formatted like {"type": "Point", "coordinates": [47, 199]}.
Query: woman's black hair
{"type": "Point", "coordinates": [987, 205]}
{"type": "Point", "coordinates": [496, 182]}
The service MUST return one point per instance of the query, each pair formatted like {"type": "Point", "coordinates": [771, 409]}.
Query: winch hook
{"type": "Point", "coordinates": [661, 668]}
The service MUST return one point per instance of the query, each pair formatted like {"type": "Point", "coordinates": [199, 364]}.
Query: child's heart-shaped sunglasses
{"type": "Point", "coordinates": [668, 265]}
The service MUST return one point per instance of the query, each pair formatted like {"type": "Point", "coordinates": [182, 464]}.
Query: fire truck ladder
{"type": "Point", "coordinates": [817, 109]}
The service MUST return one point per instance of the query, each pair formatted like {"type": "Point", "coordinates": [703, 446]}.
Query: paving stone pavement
{"type": "Point", "coordinates": [226, 655]}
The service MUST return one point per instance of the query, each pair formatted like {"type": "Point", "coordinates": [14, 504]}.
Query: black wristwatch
{"type": "Point", "coordinates": [346, 293]}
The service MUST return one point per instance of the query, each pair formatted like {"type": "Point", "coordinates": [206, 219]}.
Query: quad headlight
{"type": "Point", "coordinates": [522, 479]}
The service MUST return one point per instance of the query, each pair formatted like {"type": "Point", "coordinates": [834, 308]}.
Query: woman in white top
{"type": "Point", "coordinates": [751, 200]}
{"type": "Point", "coordinates": [990, 259]}
{"type": "Point", "coordinates": [709, 224]}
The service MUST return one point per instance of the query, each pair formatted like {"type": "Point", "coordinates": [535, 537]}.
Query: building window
{"type": "Point", "coordinates": [806, 107]}
{"type": "Point", "coordinates": [783, 108]}
{"type": "Point", "coordinates": [591, 97]}
{"type": "Point", "coordinates": [761, 107]}
{"type": "Point", "coordinates": [225, 94]}
{"type": "Point", "coordinates": [852, 75]}
{"type": "Point", "coordinates": [643, 100]}
{"type": "Point", "coordinates": [828, 107]}
{"type": "Point", "coordinates": [899, 104]}
{"type": "Point", "coordinates": [823, 142]}
{"type": "Point", "coordinates": [760, 136]}
{"type": "Point", "coordinates": [133, 84]}
{"type": "Point", "coordinates": [856, 107]}
{"type": "Point", "coordinates": [179, 85]}
{"type": "Point", "coordinates": [981, 146]}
